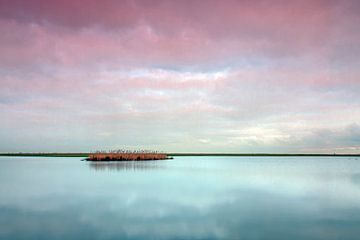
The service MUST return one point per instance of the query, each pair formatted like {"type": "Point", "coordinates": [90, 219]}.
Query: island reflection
{"type": "Point", "coordinates": [126, 166]}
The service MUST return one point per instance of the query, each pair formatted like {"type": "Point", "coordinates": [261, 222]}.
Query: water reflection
{"type": "Point", "coordinates": [356, 179]}
{"type": "Point", "coordinates": [223, 198]}
{"type": "Point", "coordinates": [126, 165]}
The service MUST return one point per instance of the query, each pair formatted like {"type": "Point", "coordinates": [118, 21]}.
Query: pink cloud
{"type": "Point", "coordinates": [173, 33]}
{"type": "Point", "coordinates": [214, 70]}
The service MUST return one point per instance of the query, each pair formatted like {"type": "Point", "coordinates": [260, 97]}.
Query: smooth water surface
{"type": "Point", "coordinates": [185, 198]}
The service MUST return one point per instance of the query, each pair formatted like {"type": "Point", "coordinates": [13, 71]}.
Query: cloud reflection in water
{"type": "Point", "coordinates": [186, 198]}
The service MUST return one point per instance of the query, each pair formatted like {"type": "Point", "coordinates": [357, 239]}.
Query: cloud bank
{"type": "Point", "coordinates": [229, 76]}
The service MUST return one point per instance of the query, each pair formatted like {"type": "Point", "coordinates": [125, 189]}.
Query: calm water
{"type": "Point", "coordinates": [184, 198]}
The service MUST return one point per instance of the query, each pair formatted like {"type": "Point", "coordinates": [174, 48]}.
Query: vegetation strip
{"type": "Point", "coordinates": [190, 155]}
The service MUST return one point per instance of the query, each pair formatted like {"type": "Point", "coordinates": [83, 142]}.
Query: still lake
{"type": "Point", "coordinates": [184, 198]}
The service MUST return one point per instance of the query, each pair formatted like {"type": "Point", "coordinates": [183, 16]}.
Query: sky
{"type": "Point", "coordinates": [180, 76]}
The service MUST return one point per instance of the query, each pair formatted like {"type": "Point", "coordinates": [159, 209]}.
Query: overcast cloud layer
{"type": "Point", "coordinates": [180, 76]}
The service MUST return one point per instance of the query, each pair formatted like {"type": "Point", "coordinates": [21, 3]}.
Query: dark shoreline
{"type": "Point", "coordinates": [190, 154]}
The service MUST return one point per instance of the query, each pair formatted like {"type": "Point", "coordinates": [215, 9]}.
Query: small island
{"type": "Point", "coordinates": [125, 155]}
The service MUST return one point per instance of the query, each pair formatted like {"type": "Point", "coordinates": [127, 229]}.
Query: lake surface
{"type": "Point", "coordinates": [185, 198]}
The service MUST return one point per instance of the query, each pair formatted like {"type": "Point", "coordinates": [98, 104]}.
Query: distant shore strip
{"type": "Point", "coordinates": [84, 154]}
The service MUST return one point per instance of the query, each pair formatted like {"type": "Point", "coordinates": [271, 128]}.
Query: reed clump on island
{"type": "Point", "coordinates": [126, 155]}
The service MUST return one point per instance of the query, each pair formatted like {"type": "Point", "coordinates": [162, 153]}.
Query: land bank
{"type": "Point", "coordinates": [20, 154]}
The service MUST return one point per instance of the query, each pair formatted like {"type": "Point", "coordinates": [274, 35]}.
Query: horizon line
{"type": "Point", "coordinates": [84, 154]}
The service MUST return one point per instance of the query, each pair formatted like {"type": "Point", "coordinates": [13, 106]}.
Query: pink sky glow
{"type": "Point", "coordinates": [180, 76]}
